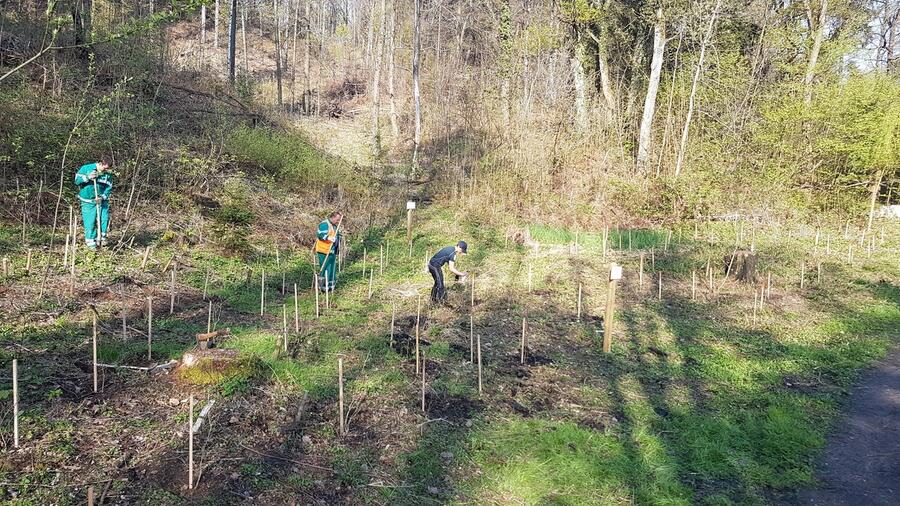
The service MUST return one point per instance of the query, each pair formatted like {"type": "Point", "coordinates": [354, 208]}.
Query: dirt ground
{"type": "Point", "coordinates": [861, 462]}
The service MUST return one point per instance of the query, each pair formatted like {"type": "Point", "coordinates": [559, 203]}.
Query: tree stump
{"type": "Point", "coordinates": [742, 266]}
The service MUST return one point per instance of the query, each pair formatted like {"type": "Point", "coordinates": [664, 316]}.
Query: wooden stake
{"type": "Point", "coordinates": [316, 288]}
{"type": "Point", "coordinates": [28, 262]}
{"type": "Point", "coordinates": [94, 346]}
{"type": "Point", "coordinates": [15, 392]}
{"type": "Point", "coordinates": [393, 319]}
{"type": "Point", "coordinates": [610, 310]}
{"type": "Point", "coordinates": [284, 332]}
{"type": "Point", "coordinates": [668, 239]}
{"type": "Point", "coordinates": [371, 278]}
{"type": "Point", "coordinates": [327, 290]}
{"type": "Point", "coordinates": [190, 429]}
{"type": "Point", "coordinates": [262, 293]}
{"type": "Point", "coordinates": [802, 274]}
{"type": "Point", "coordinates": [423, 381]}
{"type": "Point", "coordinates": [522, 351]}
{"type": "Point", "coordinates": [471, 338]}
{"type": "Point", "coordinates": [341, 394]}
{"type": "Point", "coordinates": [381, 260]}
{"type": "Point", "coordinates": [283, 285]}
{"type": "Point", "coordinates": [769, 286]}
{"type": "Point", "coordinates": [124, 325]}
{"type": "Point", "coordinates": [66, 253]}
{"type": "Point", "coordinates": [578, 310]}
{"type": "Point", "coordinates": [653, 258]}
{"type": "Point", "coordinates": [90, 495]}
{"type": "Point", "coordinates": [143, 260]}
{"type": "Point", "coordinates": [209, 318]}
{"type": "Point", "coordinates": [149, 328]}
{"type": "Point", "coordinates": [205, 284]}
{"type": "Point", "coordinates": [694, 284]}
{"type": "Point", "coordinates": [296, 310]}
{"type": "Point", "coordinates": [479, 365]}
{"type": "Point", "coordinates": [605, 238]}
{"type": "Point", "coordinates": [365, 255]}
{"type": "Point", "coordinates": [172, 293]}
{"type": "Point", "coordinates": [641, 272]}
{"type": "Point", "coordinates": [6, 267]}
{"type": "Point", "coordinates": [659, 287]}
{"type": "Point", "coordinates": [756, 301]}
{"type": "Point", "coordinates": [418, 318]}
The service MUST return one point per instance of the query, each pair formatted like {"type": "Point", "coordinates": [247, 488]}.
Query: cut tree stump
{"type": "Point", "coordinates": [742, 267]}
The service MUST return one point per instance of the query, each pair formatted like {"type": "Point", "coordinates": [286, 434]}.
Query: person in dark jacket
{"type": "Point", "coordinates": [444, 256]}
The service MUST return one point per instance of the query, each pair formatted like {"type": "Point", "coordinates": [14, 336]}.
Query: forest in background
{"type": "Point", "coordinates": [596, 112]}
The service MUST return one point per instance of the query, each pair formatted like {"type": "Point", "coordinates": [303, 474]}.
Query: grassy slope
{"type": "Point", "coordinates": [695, 404]}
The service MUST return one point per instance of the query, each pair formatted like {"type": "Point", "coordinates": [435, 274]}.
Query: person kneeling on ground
{"type": "Point", "coordinates": [328, 243]}
{"type": "Point", "coordinates": [444, 256]}
{"type": "Point", "coordinates": [95, 182]}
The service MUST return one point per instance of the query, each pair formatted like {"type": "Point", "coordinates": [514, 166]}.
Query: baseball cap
{"type": "Point", "coordinates": [463, 246]}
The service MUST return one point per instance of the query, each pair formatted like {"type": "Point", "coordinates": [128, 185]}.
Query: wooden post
{"type": "Point", "coordinates": [694, 284]}
{"type": "Point", "coordinates": [849, 253]}
{"type": "Point", "coordinates": [423, 381]}
{"type": "Point", "coordinates": [341, 394]}
{"type": "Point", "coordinates": [471, 338]}
{"type": "Point", "coordinates": [393, 319]}
{"type": "Point", "coordinates": [262, 293]}
{"type": "Point", "coordinates": [578, 309]}
{"type": "Point", "coordinates": [124, 325]}
{"type": "Point", "coordinates": [284, 331]}
{"type": "Point", "coordinates": [94, 346]}
{"type": "Point", "coordinates": [15, 393]}
{"type": "Point", "coordinates": [283, 285]}
{"type": "Point", "coordinates": [381, 260]}
{"type": "Point", "coordinates": [802, 274]}
{"type": "Point", "coordinates": [190, 429]}
{"type": "Point", "coordinates": [756, 301]}
{"type": "Point", "coordinates": [296, 310]}
{"type": "Point", "coordinates": [409, 229]}
{"type": "Point", "coordinates": [327, 290]}
{"type": "Point", "coordinates": [418, 318]}
{"type": "Point", "coordinates": [614, 275]}
{"type": "Point", "coordinates": [316, 288]}
{"type": "Point", "coordinates": [371, 278]}
{"type": "Point", "coordinates": [172, 293]}
{"type": "Point", "coordinates": [641, 272]}
{"type": "Point", "coordinates": [206, 284]}
{"type": "Point", "coordinates": [668, 239]}
{"type": "Point", "coordinates": [479, 364]}
{"type": "Point", "coordinates": [209, 318]}
{"type": "Point", "coordinates": [149, 328]}
{"type": "Point", "coordinates": [6, 267]}
{"type": "Point", "coordinates": [90, 495]}
{"type": "Point", "coordinates": [522, 350]}
{"type": "Point", "coordinates": [66, 253]}
{"type": "Point", "coordinates": [659, 287]}
{"type": "Point", "coordinates": [143, 260]}
{"type": "Point", "coordinates": [28, 262]}
{"type": "Point", "coordinates": [653, 258]}
{"type": "Point", "coordinates": [365, 255]}
{"type": "Point", "coordinates": [605, 238]}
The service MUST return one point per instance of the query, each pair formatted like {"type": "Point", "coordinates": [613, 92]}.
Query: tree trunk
{"type": "Point", "coordinates": [376, 90]}
{"type": "Point", "coordinates": [294, 55]}
{"type": "Point", "coordinates": [873, 199]}
{"type": "Point", "coordinates": [369, 43]}
{"type": "Point", "coordinates": [817, 29]}
{"type": "Point", "coordinates": [645, 135]}
{"type": "Point", "coordinates": [278, 54]}
{"type": "Point", "coordinates": [579, 76]}
{"type": "Point", "coordinates": [395, 123]}
{"type": "Point", "coordinates": [307, 84]}
{"type": "Point", "coordinates": [232, 41]}
{"type": "Point", "coordinates": [690, 112]}
{"type": "Point", "coordinates": [244, 37]}
{"type": "Point", "coordinates": [216, 26]}
{"type": "Point", "coordinates": [321, 57]}
{"type": "Point", "coordinates": [417, 139]}
{"type": "Point", "coordinates": [203, 24]}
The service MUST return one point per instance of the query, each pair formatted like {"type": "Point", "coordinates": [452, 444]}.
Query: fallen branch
{"type": "Point", "coordinates": [151, 368]}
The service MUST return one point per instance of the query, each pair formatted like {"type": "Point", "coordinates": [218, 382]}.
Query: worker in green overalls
{"type": "Point", "coordinates": [95, 182]}
{"type": "Point", "coordinates": [328, 242]}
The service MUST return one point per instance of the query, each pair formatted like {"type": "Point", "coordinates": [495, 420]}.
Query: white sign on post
{"type": "Point", "coordinates": [615, 272]}
{"type": "Point", "coordinates": [410, 204]}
